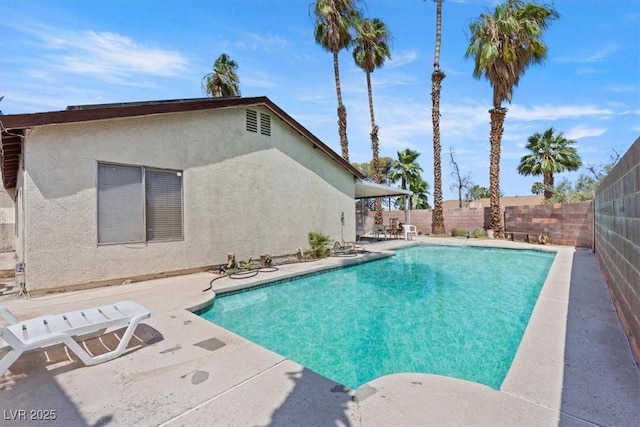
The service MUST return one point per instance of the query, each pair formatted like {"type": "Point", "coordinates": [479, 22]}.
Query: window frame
{"type": "Point", "coordinates": [143, 199]}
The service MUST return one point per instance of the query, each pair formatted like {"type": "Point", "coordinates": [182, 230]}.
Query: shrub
{"type": "Point", "coordinates": [478, 232]}
{"type": "Point", "coordinates": [458, 232]}
{"type": "Point", "coordinates": [318, 242]}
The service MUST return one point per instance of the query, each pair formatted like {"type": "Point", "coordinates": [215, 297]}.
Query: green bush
{"type": "Point", "coordinates": [458, 232]}
{"type": "Point", "coordinates": [478, 232]}
{"type": "Point", "coordinates": [319, 242]}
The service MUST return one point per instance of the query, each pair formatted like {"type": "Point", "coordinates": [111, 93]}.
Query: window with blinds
{"type": "Point", "coordinates": [163, 205]}
{"type": "Point", "coordinates": [138, 204]}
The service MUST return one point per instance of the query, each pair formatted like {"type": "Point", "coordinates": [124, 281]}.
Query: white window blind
{"type": "Point", "coordinates": [163, 194]}
{"type": "Point", "coordinates": [120, 204]}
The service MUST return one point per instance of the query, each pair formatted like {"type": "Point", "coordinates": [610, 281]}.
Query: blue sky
{"type": "Point", "coordinates": [70, 52]}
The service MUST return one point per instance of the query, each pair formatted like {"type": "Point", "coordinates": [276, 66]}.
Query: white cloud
{"type": "Point", "coordinates": [391, 79]}
{"type": "Point", "coordinates": [588, 71]}
{"type": "Point", "coordinates": [90, 52]}
{"type": "Point", "coordinates": [624, 88]}
{"type": "Point", "coordinates": [401, 58]}
{"type": "Point", "coordinates": [258, 79]}
{"type": "Point", "coordinates": [556, 112]}
{"type": "Point", "coordinates": [588, 57]}
{"type": "Point", "coordinates": [253, 41]}
{"type": "Point", "coordinates": [58, 98]}
{"type": "Point", "coordinates": [110, 56]}
{"type": "Point", "coordinates": [584, 131]}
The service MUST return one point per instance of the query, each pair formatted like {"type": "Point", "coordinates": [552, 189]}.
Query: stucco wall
{"type": "Point", "coordinates": [617, 231]}
{"type": "Point", "coordinates": [7, 222]}
{"type": "Point", "coordinates": [244, 193]}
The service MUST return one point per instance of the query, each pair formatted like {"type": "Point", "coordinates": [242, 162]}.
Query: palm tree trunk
{"type": "Point", "coordinates": [437, 219]}
{"type": "Point", "coordinates": [375, 148]}
{"type": "Point", "coordinates": [497, 128]}
{"type": "Point", "coordinates": [342, 112]}
{"type": "Point", "coordinates": [548, 184]}
{"type": "Point", "coordinates": [437, 223]}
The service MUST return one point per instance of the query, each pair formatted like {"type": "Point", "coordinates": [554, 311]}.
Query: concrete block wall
{"type": "Point", "coordinates": [462, 218]}
{"type": "Point", "coordinates": [565, 224]}
{"type": "Point", "coordinates": [617, 240]}
{"type": "Point", "coordinates": [466, 219]}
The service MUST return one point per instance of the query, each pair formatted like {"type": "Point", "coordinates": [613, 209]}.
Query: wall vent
{"type": "Point", "coordinates": [252, 121]}
{"type": "Point", "coordinates": [265, 124]}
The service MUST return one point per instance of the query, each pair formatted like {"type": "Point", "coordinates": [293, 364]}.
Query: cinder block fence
{"type": "Point", "coordinates": [617, 240]}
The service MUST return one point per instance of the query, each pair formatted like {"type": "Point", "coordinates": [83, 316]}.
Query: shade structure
{"type": "Point", "coordinates": [369, 190]}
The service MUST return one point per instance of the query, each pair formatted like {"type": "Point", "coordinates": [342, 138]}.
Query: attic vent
{"type": "Point", "coordinates": [252, 121]}
{"type": "Point", "coordinates": [265, 124]}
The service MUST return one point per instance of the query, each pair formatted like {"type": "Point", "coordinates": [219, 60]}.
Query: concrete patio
{"type": "Point", "coordinates": [573, 368]}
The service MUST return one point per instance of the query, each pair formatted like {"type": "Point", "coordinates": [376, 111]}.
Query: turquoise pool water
{"type": "Point", "coordinates": [454, 311]}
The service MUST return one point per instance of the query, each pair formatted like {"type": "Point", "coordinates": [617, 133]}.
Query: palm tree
{"type": "Point", "coordinates": [503, 45]}
{"type": "Point", "coordinates": [537, 188]}
{"type": "Point", "coordinates": [405, 169]}
{"type": "Point", "coordinates": [420, 189]}
{"type": "Point", "coordinates": [333, 22]}
{"type": "Point", "coordinates": [550, 153]}
{"type": "Point", "coordinates": [370, 49]}
{"type": "Point", "coordinates": [478, 192]}
{"type": "Point", "coordinates": [437, 220]}
{"type": "Point", "coordinates": [224, 80]}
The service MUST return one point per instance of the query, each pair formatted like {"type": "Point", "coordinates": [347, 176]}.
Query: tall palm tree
{"type": "Point", "coordinates": [405, 169]}
{"type": "Point", "coordinates": [370, 49]}
{"type": "Point", "coordinates": [437, 220]}
{"type": "Point", "coordinates": [224, 80]}
{"type": "Point", "coordinates": [503, 45]}
{"type": "Point", "coordinates": [550, 153]}
{"type": "Point", "coordinates": [333, 22]}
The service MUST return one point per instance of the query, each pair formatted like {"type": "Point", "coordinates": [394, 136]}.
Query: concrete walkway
{"type": "Point", "coordinates": [574, 366]}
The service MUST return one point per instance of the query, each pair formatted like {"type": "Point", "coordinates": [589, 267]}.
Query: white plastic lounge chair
{"type": "Point", "coordinates": [48, 330]}
{"type": "Point", "coordinates": [409, 230]}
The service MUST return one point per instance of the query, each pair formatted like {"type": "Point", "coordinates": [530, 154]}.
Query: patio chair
{"type": "Point", "coordinates": [409, 230]}
{"type": "Point", "coordinates": [393, 227]}
{"type": "Point", "coordinates": [44, 331]}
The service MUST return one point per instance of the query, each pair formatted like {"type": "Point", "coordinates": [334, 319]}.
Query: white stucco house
{"type": "Point", "coordinates": [106, 193]}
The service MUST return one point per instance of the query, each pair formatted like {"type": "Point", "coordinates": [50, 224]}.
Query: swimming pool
{"type": "Point", "coordinates": [446, 310]}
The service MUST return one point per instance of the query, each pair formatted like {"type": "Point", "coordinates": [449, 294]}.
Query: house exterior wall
{"type": "Point", "coordinates": [7, 222]}
{"type": "Point", "coordinates": [617, 240]}
{"type": "Point", "coordinates": [244, 193]}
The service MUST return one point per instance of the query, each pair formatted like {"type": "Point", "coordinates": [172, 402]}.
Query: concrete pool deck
{"type": "Point", "coordinates": [574, 365]}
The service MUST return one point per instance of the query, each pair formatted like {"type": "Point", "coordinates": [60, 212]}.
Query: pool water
{"type": "Point", "coordinates": [454, 311]}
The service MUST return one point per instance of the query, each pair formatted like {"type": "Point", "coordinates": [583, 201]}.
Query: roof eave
{"type": "Point", "coordinates": [16, 123]}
